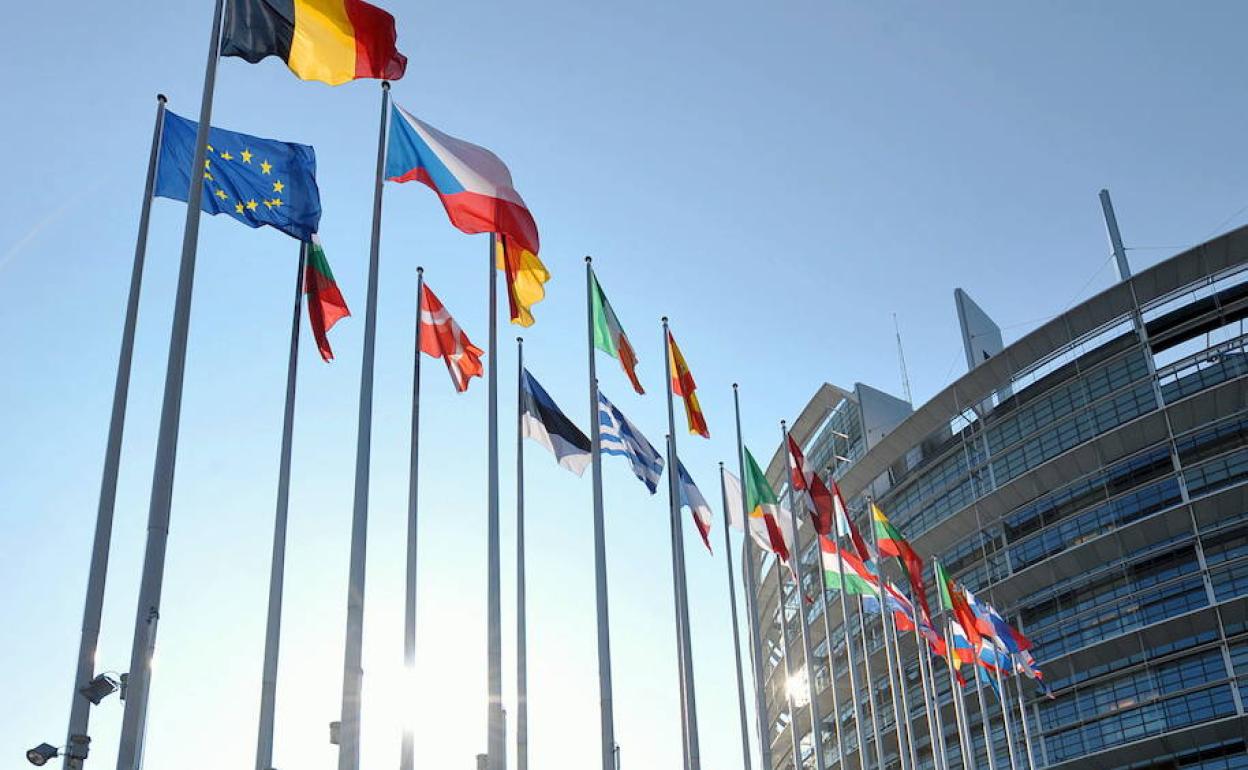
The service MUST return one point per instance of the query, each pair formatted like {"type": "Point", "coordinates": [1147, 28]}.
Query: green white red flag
{"type": "Point", "coordinates": [325, 303]}
{"type": "Point", "coordinates": [609, 336]}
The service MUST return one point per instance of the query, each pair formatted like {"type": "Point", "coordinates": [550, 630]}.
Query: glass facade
{"type": "Point", "coordinates": [1099, 499]}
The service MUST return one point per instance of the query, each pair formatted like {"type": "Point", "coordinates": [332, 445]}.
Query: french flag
{"type": "Point", "coordinates": [473, 184]}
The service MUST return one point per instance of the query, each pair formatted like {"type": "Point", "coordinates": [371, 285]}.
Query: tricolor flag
{"type": "Point", "coordinates": [441, 337]}
{"type": "Point", "coordinates": [761, 503]}
{"type": "Point", "coordinates": [843, 571]}
{"type": "Point", "coordinates": [326, 306]}
{"type": "Point", "coordinates": [904, 616]}
{"type": "Point", "coordinates": [845, 527]}
{"type": "Point", "coordinates": [818, 497]}
{"type": "Point", "coordinates": [758, 529]}
{"type": "Point", "coordinates": [684, 386]}
{"type": "Point", "coordinates": [542, 421]}
{"type": "Point", "coordinates": [618, 436]}
{"type": "Point", "coordinates": [962, 620]}
{"type": "Point", "coordinates": [609, 336]}
{"type": "Point", "coordinates": [691, 498]}
{"type": "Point", "coordinates": [332, 41]}
{"type": "Point", "coordinates": [476, 190]}
{"type": "Point", "coordinates": [889, 542]}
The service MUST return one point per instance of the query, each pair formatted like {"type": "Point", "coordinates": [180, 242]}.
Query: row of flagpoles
{"type": "Point", "coordinates": [475, 188]}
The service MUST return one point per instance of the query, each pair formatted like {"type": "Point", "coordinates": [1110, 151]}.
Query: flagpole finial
{"type": "Point", "coordinates": [420, 270]}
{"type": "Point", "coordinates": [783, 425]}
{"type": "Point", "coordinates": [161, 98]}
{"type": "Point", "coordinates": [588, 259]}
{"type": "Point", "coordinates": [664, 320]}
{"type": "Point", "coordinates": [385, 85]}
{"type": "Point", "coordinates": [520, 340]}
{"type": "Point", "coordinates": [734, 386]}
{"type": "Point", "coordinates": [721, 464]}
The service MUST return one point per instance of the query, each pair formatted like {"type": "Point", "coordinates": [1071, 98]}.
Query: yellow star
{"type": "Point", "coordinates": [252, 205]}
{"type": "Point", "coordinates": [277, 202]}
{"type": "Point", "coordinates": [207, 176]}
{"type": "Point", "coordinates": [238, 208]}
{"type": "Point", "coordinates": [209, 146]}
{"type": "Point", "coordinates": [221, 194]}
{"type": "Point", "coordinates": [246, 156]}
{"type": "Point", "coordinates": [278, 186]}
{"type": "Point", "coordinates": [226, 155]}
{"type": "Point", "coordinates": [265, 167]}
{"type": "Point", "coordinates": [207, 162]}
{"type": "Point", "coordinates": [268, 204]}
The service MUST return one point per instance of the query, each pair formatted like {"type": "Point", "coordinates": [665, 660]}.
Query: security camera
{"type": "Point", "coordinates": [39, 755]}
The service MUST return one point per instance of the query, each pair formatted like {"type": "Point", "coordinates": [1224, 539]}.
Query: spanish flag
{"type": "Point", "coordinates": [684, 386]}
{"type": "Point", "coordinates": [332, 41]}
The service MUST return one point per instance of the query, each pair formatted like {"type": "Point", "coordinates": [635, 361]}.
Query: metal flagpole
{"type": "Point", "coordinates": [689, 702]}
{"type": "Point", "coordinates": [496, 730]}
{"type": "Point", "coordinates": [901, 720]}
{"type": "Point", "coordinates": [935, 723]}
{"type": "Point", "coordinates": [273, 626]}
{"type": "Point", "coordinates": [600, 539]}
{"type": "Point", "coordinates": [77, 742]}
{"type": "Point", "coordinates": [751, 603]}
{"type": "Point", "coordinates": [816, 719]}
{"type": "Point", "coordinates": [680, 623]}
{"type": "Point", "coordinates": [866, 663]}
{"type": "Point", "coordinates": [965, 743]}
{"type": "Point", "coordinates": [1022, 712]}
{"type": "Point", "coordinates": [522, 660]}
{"type": "Point", "coordinates": [788, 662]}
{"type": "Point", "coordinates": [353, 653]}
{"type": "Point", "coordinates": [134, 719]}
{"type": "Point", "coordinates": [827, 638]}
{"type": "Point", "coordinates": [905, 697]}
{"type": "Point", "coordinates": [849, 652]}
{"type": "Point", "coordinates": [984, 720]}
{"type": "Point", "coordinates": [736, 633]}
{"type": "Point", "coordinates": [1005, 719]}
{"type": "Point", "coordinates": [407, 757]}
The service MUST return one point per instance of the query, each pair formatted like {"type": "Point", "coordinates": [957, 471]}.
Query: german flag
{"type": "Point", "coordinates": [332, 41]}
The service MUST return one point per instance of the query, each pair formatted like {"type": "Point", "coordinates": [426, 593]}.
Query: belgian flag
{"type": "Point", "coordinates": [332, 41]}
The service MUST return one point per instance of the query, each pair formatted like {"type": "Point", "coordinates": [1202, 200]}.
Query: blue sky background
{"type": "Point", "coordinates": [778, 178]}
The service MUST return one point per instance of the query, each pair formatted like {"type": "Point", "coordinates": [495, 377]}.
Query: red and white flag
{"type": "Point", "coordinates": [441, 337]}
{"type": "Point", "coordinates": [819, 502]}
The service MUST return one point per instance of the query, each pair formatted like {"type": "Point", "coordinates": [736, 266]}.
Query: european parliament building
{"type": "Point", "coordinates": [1090, 481]}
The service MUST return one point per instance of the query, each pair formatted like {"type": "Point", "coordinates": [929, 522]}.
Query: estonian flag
{"type": "Point", "coordinates": [544, 423]}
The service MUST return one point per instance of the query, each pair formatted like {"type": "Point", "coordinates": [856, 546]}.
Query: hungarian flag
{"type": "Point", "coordinates": [332, 41]}
{"type": "Point", "coordinates": [325, 303]}
{"type": "Point", "coordinates": [845, 526]}
{"type": "Point", "coordinates": [962, 618]}
{"type": "Point", "coordinates": [441, 337]}
{"type": "Point", "coordinates": [818, 497]}
{"type": "Point", "coordinates": [843, 571]}
{"type": "Point", "coordinates": [609, 336]}
{"type": "Point", "coordinates": [761, 503]}
{"type": "Point", "coordinates": [684, 386]}
{"type": "Point", "coordinates": [889, 542]}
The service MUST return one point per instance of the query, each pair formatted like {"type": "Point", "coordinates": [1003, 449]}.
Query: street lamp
{"type": "Point", "coordinates": [99, 688]}
{"type": "Point", "coordinates": [39, 755]}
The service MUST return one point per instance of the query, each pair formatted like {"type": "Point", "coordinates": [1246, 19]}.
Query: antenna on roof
{"type": "Point", "coordinates": [901, 361]}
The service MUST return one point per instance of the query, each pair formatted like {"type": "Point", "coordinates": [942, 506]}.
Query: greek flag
{"type": "Point", "coordinates": [618, 436]}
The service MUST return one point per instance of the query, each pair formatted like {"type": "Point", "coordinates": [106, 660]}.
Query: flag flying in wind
{"type": "Point", "coordinates": [441, 337]}
{"type": "Point", "coordinates": [889, 542]}
{"type": "Point", "coordinates": [332, 41]}
{"type": "Point", "coordinates": [691, 498]}
{"type": "Point", "coordinates": [961, 617]}
{"type": "Point", "coordinates": [476, 190]}
{"type": "Point", "coordinates": [684, 386]}
{"type": "Point", "coordinates": [904, 617]}
{"type": "Point", "coordinates": [845, 527]}
{"type": "Point", "coordinates": [326, 306]}
{"type": "Point", "coordinates": [818, 497]}
{"type": "Point", "coordinates": [542, 421]}
{"type": "Point", "coordinates": [618, 436]}
{"type": "Point", "coordinates": [256, 181]}
{"type": "Point", "coordinates": [843, 571]}
{"type": "Point", "coordinates": [759, 529]}
{"type": "Point", "coordinates": [609, 336]}
{"type": "Point", "coordinates": [761, 502]}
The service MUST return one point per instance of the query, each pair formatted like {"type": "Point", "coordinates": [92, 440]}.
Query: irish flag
{"type": "Point", "coordinates": [609, 336]}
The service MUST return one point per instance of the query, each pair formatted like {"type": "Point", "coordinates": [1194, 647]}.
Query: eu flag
{"type": "Point", "coordinates": [256, 181]}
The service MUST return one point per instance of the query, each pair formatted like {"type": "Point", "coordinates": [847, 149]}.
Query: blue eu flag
{"type": "Point", "coordinates": [256, 181]}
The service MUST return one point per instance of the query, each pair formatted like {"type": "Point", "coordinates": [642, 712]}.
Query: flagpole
{"type": "Point", "coordinates": [277, 570]}
{"type": "Point", "coordinates": [751, 604]}
{"type": "Point", "coordinates": [866, 664]}
{"type": "Point", "coordinates": [134, 719]}
{"type": "Point", "coordinates": [407, 756]}
{"type": "Point", "coordinates": [522, 664]}
{"type": "Point", "coordinates": [816, 719]}
{"type": "Point", "coordinates": [849, 654]}
{"type": "Point", "coordinates": [689, 715]}
{"type": "Point", "coordinates": [1022, 713]}
{"type": "Point", "coordinates": [496, 732]}
{"type": "Point", "coordinates": [607, 715]}
{"type": "Point", "coordinates": [1005, 715]}
{"type": "Point", "coordinates": [353, 653]}
{"type": "Point", "coordinates": [935, 723]}
{"type": "Point", "coordinates": [788, 661]}
{"type": "Point", "coordinates": [77, 742]}
{"type": "Point", "coordinates": [985, 722]}
{"type": "Point", "coordinates": [827, 635]}
{"type": "Point", "coordinates": [885, 614]}
{"type": "Point", "coordinates": [912, 750]}
{"type": "Point", "coordinates": [955, 696]}
{"type": "Point", "coordinates": [736, 633]}
{"type": "Point", "coordinates": [680, 624]}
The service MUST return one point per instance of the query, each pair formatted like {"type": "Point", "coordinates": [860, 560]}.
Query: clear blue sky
{"type": "Point", "coordinates": [778, 178]}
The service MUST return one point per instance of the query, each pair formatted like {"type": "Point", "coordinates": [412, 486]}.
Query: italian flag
{"type": "Point", "coordinates": [325, 303]}
{"type": "Point", "coordinates": [609, 336]}
{"type": "Point", "coordinates": [843, 571]}
{"type": "Point", "coordinates": [761, 503]}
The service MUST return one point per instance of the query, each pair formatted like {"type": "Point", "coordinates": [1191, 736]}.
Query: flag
{"type": "Point", "coordinates": [542, 421]}
{"type": "Point", "coordinates": [476, 190]}
{"type": "Point", "coordinates": [609, 336]}
{"type": "Point", "coordinates": [761, 503]}
{"type": "Point", "coordinates": [819, 503]}
{"type": "Point", "coordinates": [889, 542]}
{"type": "Point", "coordinates": [441, 337]}
{"type": "Point", "coordinates": [332, 41]}
{"type": "Point", "coordinates": [684, 386]}
{"type": "Point", "coordinates": [962, 619]}
{"type": "Point", "coordinates": [256, 181]}
{"type": "Point", "coordinates": [618, 436]}
{"type": "Point", "coordinates": [758, 526]}
{"type": "Point", "coordinates": [691, 498]}
{"type": "Point", "coordinates": [845, 527]}
{"type": "Point", "coordinates": [325, 303]}
{"type": "Point", "coordinates": [843, 571]}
